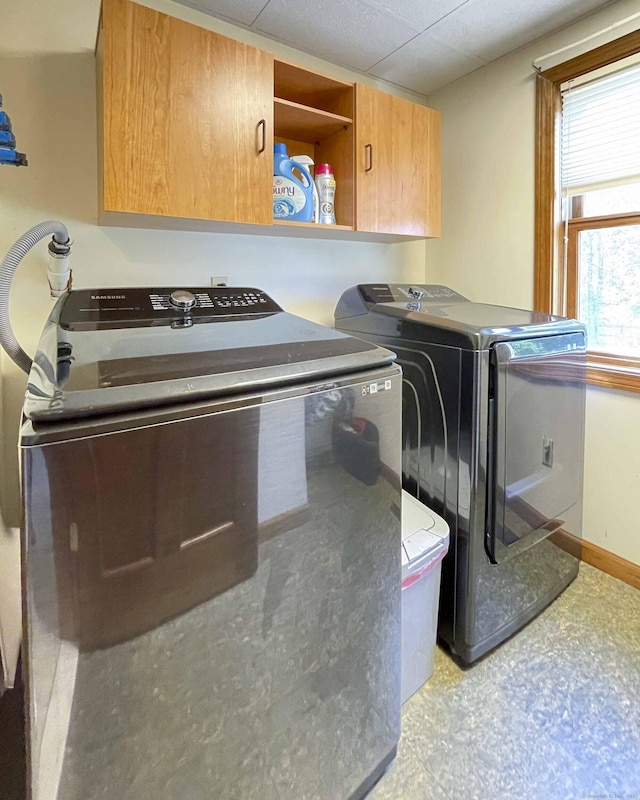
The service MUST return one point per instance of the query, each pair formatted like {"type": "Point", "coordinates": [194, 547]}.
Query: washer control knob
{"type": "Point", "coordinates": [182, 299]}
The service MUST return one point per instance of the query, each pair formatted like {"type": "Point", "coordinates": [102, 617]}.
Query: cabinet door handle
{"type": "Point", "coordinates": [368, 151]}
{"type": "Point", "coordinates": [262, 128]}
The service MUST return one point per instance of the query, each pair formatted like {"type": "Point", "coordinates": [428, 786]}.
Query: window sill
{"type": "Point", "coordinates": [613, 372]}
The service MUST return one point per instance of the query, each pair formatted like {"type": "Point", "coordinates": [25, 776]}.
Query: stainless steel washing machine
{"type": "Point", "coordinates": [493, 440]}
{"type": "Point", "coordinates": [211, 552]}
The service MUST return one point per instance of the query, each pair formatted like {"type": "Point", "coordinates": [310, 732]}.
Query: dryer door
{"type": "Point", "coordinates": [536, 440]}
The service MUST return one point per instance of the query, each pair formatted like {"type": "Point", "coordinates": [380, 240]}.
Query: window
{"type": "Point", "coordinates": [588, 204]}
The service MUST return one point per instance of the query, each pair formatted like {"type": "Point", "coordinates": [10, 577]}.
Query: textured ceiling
{"type": "Point", "coordinates": [421, 45]}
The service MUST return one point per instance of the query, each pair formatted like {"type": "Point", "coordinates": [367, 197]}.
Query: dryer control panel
{"type": "Point", "coordinates": [406, 292]}
{"type": "Point", "coordinates": [136, 307]}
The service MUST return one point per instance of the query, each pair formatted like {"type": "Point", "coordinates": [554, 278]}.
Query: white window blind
{"type": "Point", "coordinates": [600, 144]}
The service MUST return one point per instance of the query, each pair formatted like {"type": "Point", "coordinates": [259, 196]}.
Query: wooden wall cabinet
{"type": "Point", "coordinates": [188, 119]}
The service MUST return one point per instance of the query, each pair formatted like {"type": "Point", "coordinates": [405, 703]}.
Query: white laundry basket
{"type": "Point", "coordinates": [425, 542]}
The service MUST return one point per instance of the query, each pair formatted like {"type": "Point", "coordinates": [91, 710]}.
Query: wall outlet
{"type": "Point", "coordinates": [219, 280]}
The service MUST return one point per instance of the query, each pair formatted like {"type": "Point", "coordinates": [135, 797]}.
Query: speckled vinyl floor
{"type": "Point", "coordinates": [553, 713]}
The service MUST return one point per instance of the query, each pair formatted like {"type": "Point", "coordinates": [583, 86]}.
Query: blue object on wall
{"type": "Point", "coordinates": [8, 152]}
{"type": "Point", "coordinates": [7, 139]}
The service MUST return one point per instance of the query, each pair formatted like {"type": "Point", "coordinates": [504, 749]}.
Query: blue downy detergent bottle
{"type": "Point", "coordinates": [292, 191]}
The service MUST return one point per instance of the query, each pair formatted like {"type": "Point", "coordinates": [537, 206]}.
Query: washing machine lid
{"type": "Point", "coordinates": [461, 322]}
{"type": "Point", "coordinates": [118, 349]}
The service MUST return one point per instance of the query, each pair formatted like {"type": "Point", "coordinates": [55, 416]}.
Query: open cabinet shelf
{"type": "Point", "coordinates": [313, 116]}
{"type": "Point", "coordinates": [297, 121]}
{"type": "Point", "coordinates": [313, 89]}
{"type": "Point", "coordinates": [316, 225]}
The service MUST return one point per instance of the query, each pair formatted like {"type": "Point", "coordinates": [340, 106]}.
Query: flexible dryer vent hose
{"type": "Point", "coordinates": [9, 265]}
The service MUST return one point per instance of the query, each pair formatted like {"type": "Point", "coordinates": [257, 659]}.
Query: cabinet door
{"type": "Point", "coordinates": [397, 165]}
{"type": "Point", "coordinates": [187, 119]}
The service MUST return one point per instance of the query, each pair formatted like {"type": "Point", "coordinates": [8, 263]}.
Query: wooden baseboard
{"type": "Point", "coordinates": [567, 542]}
{"type": "Point", "coordinates": [391, 476]}
{"type": "Point", "coordinates": [613, 565]}
{"type": "Point", "coordinates": [283, 522]}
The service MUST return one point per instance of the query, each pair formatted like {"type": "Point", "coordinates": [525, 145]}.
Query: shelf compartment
{"type": "Point", "coordinates": [296, 121]}
{"type": "Point", "coordinates": [315, 225]}
{"type": "Point", "coordinates": [312, 88]}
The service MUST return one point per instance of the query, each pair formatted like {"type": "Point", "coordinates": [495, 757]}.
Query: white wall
{"type": "Point", "coordinates": [49, 93]}
{"type": "Point", "coordinates": [486, 251]}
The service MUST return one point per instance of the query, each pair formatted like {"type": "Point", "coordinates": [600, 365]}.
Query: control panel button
{"type": "Point", "coordinates": [182, 299]}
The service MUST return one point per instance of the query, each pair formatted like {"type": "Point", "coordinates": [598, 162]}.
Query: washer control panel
{"type": "Point", "coordinates": [136, 307]}
{"type": "Point", "coordinates": [223, 299]}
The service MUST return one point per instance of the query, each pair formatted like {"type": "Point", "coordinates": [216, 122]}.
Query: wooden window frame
{"type": "Point", "coordinates": [551, 284]}
{"type": "Point", "coordinates": [602, 367]}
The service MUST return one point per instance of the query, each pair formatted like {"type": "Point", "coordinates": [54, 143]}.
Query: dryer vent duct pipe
{"type": "Point", "coordinates": [59, 249]}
